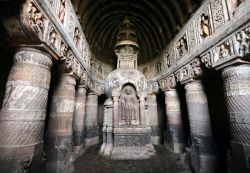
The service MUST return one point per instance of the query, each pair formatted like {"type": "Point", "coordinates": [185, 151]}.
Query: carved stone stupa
{"type": "Point", "coordinates": [126, 128]}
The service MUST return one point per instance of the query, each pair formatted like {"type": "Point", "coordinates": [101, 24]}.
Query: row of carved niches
{"type": "Point", "coordinates": [231, 48]}
{"type": "Point", "coordinates": [38, 22]}
{"type": "Point", "coordinates": [208, 19]}
{"type": "Point", "coordinates": [39, 14]}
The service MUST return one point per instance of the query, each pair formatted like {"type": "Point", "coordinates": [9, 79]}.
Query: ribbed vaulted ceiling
{"type": "Point", "coordinates": [156, 23]}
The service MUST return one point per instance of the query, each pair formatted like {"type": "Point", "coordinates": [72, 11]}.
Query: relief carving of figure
{"type": "Point", "coordinates": [61, 14]}
{"type": "Point", "coordinates": [37, 19]}
{"type": "Point", "coordinates": [77, 37]}
{"type": "Point", "coordinates": [244, 41]}
{"type": "Point", "coordinates": [225, 50]}
{"type": "Point", "coordinates": [205, 26]}
{"type": "Point", "coordinates": [181, 47]}
{"type": "Point", "coordinates": [129, 105]}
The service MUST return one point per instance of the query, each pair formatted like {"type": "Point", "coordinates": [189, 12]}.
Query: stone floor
{"type": "Point", "coordinates": [162, 162]}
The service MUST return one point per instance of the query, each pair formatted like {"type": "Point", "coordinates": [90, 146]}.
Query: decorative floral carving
{"type": "Point", "coordinates": [217, 12]}
{"type": "Point", "coordinates": [191, 36]}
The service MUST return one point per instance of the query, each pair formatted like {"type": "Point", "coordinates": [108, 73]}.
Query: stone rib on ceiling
{"type": "Point", "coordinates": [156, 23]}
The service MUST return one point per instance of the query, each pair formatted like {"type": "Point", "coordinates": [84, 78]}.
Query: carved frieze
{"type": "Point", "coordinates": [53, 39]}
{"type": "Point", "coordinates": [223, 51]}
{"type": "Point", "coordinates": [206, 59]}
{"type": "Point", "coordinates": [190, 71]}
{"type": "Point", "coordinates": [168, 83]}
{"type": "Point", "coordinates": [35, 19]}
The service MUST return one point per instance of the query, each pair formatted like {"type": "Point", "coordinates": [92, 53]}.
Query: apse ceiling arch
{"type": "Point", "coordinates": [156, 23]}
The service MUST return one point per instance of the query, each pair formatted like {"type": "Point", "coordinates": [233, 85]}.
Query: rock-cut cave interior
{"type": "Point", "coordinates": [124, 86]}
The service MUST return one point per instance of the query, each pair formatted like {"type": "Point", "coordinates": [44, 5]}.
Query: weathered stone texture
{"type": "Point", "coordinates": [91, 120]}
{"type": "Point", "coordinates": [203, 148]}
{"type": "Point", "coordinates": [237, 93]}
{"type": "Point", "coordinates": [154, 119]}
{"type": "Point", "coordinates": [78, 120]}
{"type": "Point", "coordinates": [24, 109]}
{"type": "Point", "coordinates": [60, 143]}
{"type": "Point", "coordinates": [175, 131]}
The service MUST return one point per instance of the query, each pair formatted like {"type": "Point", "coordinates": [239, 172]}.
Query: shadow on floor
{"type": "Point", "coordinates": [90, 162]}
{"type": "Point", "coordinates": [162, 162]}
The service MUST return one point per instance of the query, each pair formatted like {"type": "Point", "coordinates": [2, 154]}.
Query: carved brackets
{"type": "Point", "coordinates": [190, 71]}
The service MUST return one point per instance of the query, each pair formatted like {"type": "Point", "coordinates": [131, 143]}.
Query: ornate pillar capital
{"type": "Point", "coordinates": [168, 83]}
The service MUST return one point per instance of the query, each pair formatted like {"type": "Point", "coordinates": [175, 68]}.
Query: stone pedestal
{"type": "Point", "coordinates": [153, 119]}
{"type": "Point", "coordinates": [203, 147]}
{"type": "Point", "coordinates": [91, 120]}
{"type": "Point", "coordinates": [24, 110]}
{"type": "Point", "coordinates": [237, 94]}
{"type": "Point", "coordinates": [59, 146]}
{"type": "Point", "coordinates": [174, 137]}
{"type": "Point", "coordinates": [78, 120]}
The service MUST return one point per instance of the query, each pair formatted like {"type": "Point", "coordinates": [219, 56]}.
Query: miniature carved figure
{"type": "Point", "coordinates": [61, 14]}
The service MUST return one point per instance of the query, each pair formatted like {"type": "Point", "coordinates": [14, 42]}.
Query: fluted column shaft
{"type": "Point", "coordinates": [154, 119]}
{"type": "Point", "coordinates": [60, 126]}
{"type": "Point", "coordinates": [91, 120]}
{"type": "Point", "coordinates": [78, 119]}
{"type": "Point", "coordinates": [175, 138]}
{"type": "Point", "coordinates": [24, 109]}
{"type": "Point", "coordinates": [237, 94]}
{"type": "Point", "coordinates": [203, 147]}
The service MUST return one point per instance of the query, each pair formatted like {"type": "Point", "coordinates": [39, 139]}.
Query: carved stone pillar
{"type": "Point", "coordinates": [109, 129]}
{"type": "Point", "coordinates": [59, 146]}
{"type": "Point", "coordinates": [78, 120]}
{"type": "Point", "coordinates": [104, 129]}
{"type": "Point", "coordinates": [23, 112]}
{"type": "Point", "coordinates": [203, 147]}
{"type": "Point", "coordinates": [142, 111]}
{"type": "Point", "coordinates": [237, 93]}
{"type": "Point", "coordinates": [91, 120]}
{"type": "Point", "coordinates": [175, 134]}
{"type": "Point", "coordinates": [154, 119]}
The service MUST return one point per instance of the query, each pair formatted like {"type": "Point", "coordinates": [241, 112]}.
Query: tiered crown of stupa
{"type": "Point", "coordinates": [127, 47]}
